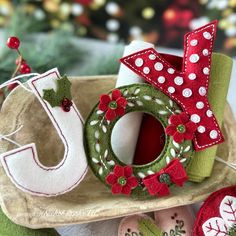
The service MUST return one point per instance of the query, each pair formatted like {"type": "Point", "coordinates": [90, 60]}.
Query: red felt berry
{"type": "Point", "coordinates": [13, 42]}
{"type": "Point", "coordinates": [66, 108]}
{"type": "Point", "coordinates": [10, 87]}
{"type": "Point", "coordinates": [18, 61]}
{"type": "Point", "coordinates": [25, 69]}
{"type": "Point", "coordinates": [66, 104]}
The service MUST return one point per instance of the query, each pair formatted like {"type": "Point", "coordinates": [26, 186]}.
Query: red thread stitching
{"type": "Point", "coordinates": [41, 166]}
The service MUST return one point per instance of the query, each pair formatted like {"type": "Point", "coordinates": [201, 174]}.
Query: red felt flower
{"type": "Point", "coordinates": [181, 127]}
{"type": "Point", "coordinates": [113, 106]}
{"type": "Point", "coordinates": [122, 180]}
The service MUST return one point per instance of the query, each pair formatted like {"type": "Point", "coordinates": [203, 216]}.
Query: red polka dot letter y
{"type": "Point", "coordinates": [187, 87]}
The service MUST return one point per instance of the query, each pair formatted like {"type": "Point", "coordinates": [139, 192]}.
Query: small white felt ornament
{"type": "Point", "coordinates": [22, 164]}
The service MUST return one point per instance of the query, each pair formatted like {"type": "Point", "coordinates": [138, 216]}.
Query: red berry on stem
{"type": "Point", "coordinates": [13, 42]}
{"type": "Point", "coordinates": [18, 61]}
{"type": "Point", "coordinates": [25, 69]}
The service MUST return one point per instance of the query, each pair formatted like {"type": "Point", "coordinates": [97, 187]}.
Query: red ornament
{"type": "Point", "coordinates": [10, 87]}
{"type": "Point", "coordinates": [217, 215]}
{"type": "Point", "coordinates": [181, 127]}
{"type": "Point", "coordinates": [13, 42]}
{"type": "Point", "coordinates": [158, 184]}
{"type": "Point", "coordinates": [84, 2]}
{"type": "Point", "coordinates": [18, 60]}
{"type": "Point", "coordinates": [66, 104]}
{"type": "Point", "coordinates": [113, 106]}
{"type": "Point", "coordinates": [188, 86]}
{"type": "Point", "coordinates": [122, 180]}
{"type": "Point", "coordinates": [24, 68]}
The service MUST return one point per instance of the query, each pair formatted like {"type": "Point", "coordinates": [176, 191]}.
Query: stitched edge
{"type": "Point", "coordinates": [36, 160]}
{"type": "Point", "coordinates": [200, 147]}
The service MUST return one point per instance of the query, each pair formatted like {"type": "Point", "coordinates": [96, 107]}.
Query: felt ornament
{"type": "Point", "coordinates": [217, 216]}
{"type": "Point", "coordinates": [125, 147]}
{"type": "Point", "coordinates": [140, 225]}
{"type": "Point", "coordinates": [98, 130]}
{"type": "Point", "coordinates": [175, 221]}
{"type": "Point", "coordinates": [22, 164]}
{"type": "Point", "coordinates": [187, 87]}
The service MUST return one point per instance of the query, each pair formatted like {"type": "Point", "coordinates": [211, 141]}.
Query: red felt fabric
{"type": "Point", "coordinates": [210, 208]}
{"type": "Point", "coordinates": [151, 140]}
{"type": "Point", "coordinates": [190, 84]}
{"type": "Point", "coordinates": [125, 172]}
{"type": "Point", "coordinates": [174, 170]}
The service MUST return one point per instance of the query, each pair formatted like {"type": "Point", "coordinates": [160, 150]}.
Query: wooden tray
{"type": "Point", "coordinates": [91, 200]}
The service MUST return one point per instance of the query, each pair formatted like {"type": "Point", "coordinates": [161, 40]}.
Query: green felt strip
{"type": "Point", "coordinates": [148, 228]}
{"type": "Point", "coordinates": [8, 228]}
{"type": "Point", "coordinates": [201, 165]}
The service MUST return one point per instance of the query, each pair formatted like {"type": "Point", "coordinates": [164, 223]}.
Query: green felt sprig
{"type": "Point", "coordinates": [54, 98]}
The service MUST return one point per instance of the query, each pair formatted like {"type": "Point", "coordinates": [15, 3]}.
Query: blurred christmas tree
{"type": "Point", "coordinates": [42, 52]}
{"type": "Point", "coordinates": [157, 21]}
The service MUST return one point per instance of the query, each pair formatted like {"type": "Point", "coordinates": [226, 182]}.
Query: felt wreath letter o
{"type": "Point", "coordinates": [98, 129]}
{"type": "Point", "coordinates": [22, 164]}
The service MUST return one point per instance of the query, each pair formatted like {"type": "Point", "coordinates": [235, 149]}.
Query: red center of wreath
{"type": "Point", "coordinates": [151, 141]}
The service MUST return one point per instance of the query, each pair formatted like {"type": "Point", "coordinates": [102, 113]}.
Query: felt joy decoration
{"type": "Point", "coordinates": [98, 130]}
{"type": "Point", "coordinates": [188, 87]}
{"type": "Point", "coordinates": [22, 164]}
{"type": "Point", "coordinates": [217, 216]}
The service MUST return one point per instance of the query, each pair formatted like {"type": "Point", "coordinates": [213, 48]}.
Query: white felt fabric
{"type": "Point", "coordinates": [125, 133]}
{"type": "Point", "coordinates": [22, 164]}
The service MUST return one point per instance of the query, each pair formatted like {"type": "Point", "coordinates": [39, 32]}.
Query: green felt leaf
{"type": "Point", "coordinates": [64, 87]}
{"type": "Point", "coordinates": [149, 228]}
{"type": "Point", "coordinates": [63, 91]}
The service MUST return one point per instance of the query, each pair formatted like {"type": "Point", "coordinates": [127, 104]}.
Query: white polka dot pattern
{"type": "Point", "coordinates": [213, 134]}
{"type": "Point", "coordinates": [178, 80]}
{"type": "Point", "coordinates": [201, 129]}
{"type": "Point", "coordinates": [139, 62]}
{"type": "Point", "coordinates": [171, 89]}
{"type": "Point", "coordinates": [199, 105]}
{"type": "Point", "coordinates": [206, 70]}
{"type": "Point", "coordinates": [194, 58]}
{"type": "Point", "coordinates": [194, 42]}
{"type": "Point", "coordinates": [187, 92]}
{"type": "Point", "coordinates": [207, 35]}
{"type": "Point", "coordinates": [146, 70]}
{"type": "Point", "coordinates": [152, 57]}
{"type": "Point", "coordinates": [202, 91]}
{"type": "Point", "coordinates": [192, 76]}
{"type": "Point", "coordinates": [161, 79]}
{"type": "Point", "coordinates": [205, 52]}
{"type": "Point", "coordinates": [158, 66]}
{"type": "Point", "coordinates": [187, 84]}
{"type": "Point", "coordinates": [209, 113]}
{"type": "Point", "coordinates": [195, 118]}
{"type": "Point", "coordinates": [171, 71]}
